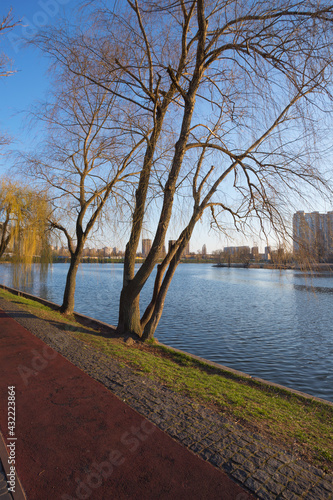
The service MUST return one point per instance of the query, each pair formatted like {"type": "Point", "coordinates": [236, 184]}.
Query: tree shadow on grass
{"type": "Point", "coordinates": [106, 332]}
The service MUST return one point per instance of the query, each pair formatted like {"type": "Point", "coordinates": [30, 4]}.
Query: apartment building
{"type": "Point", "coordinates": [146, 246]}
{"type": "Point", "coordinates": [313, 234]}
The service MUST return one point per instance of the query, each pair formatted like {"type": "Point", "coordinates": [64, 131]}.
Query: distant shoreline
{"type": "Point", "coordinates": [328, 267]}
{"type": "Point", "coordinates": [294, 267]}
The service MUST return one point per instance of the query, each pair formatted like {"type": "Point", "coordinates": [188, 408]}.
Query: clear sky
{"type": "Point", "coordinates": [30, 82]}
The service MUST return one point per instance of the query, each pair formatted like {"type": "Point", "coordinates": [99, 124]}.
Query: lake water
{"type": "Point", "coordinates": [277, 325]}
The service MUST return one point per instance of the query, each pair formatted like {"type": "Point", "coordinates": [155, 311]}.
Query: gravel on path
{"type": "Point", "coordinates": [267, 471]}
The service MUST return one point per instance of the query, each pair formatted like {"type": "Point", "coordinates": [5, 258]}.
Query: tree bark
{"type": "Point", "coordinates": [129, 311]}
{"type": "Point", "coordinates": [133, 283]}
{"type": "Point", "coordinates": [5, 238]}
{"type": "Point", "coordinates": [152, 324]}
{"type": "Point", "coordinates": [4, 244]}
{"type": "Point", "coordinates": [67, 306]}
{"type": "Point", "coordinates": [129, 315]}
{"type": "Point", "coordinates": [154, 311]}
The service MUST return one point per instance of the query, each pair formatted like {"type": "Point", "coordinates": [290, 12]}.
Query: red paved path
{"type": "Point", "coordinates": [76, 440]}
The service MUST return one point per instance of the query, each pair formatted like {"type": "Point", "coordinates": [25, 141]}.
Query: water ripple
{"type": "Point", "coordinates": [277, 325]}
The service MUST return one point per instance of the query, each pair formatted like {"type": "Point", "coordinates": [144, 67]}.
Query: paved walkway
{"type": "Point", "coordinates": [77, 440]}
{"type": "Point", "coordinates": [262, 468]}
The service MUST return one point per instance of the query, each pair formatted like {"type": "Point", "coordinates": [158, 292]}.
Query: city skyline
{"type": "Point", "coordinates": [31, 74]}
{"type": "Point", "coordinates": [315, 225]}
{"type": "Point", "coordinates": [146, 244]}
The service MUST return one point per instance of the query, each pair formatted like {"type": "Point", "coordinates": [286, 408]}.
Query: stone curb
{"type": "Point", "coordinates": [263, 468]}
{"type": "Point", "coordinates": [92, 322]}
{"type": "Point", "coordinates": [86, 320]}
{"type": "Point", "coordinates": [247, 376]}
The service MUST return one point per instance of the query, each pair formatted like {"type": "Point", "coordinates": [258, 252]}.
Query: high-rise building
{"type": "Point", "coordinates": [186, 250]}
{"type": "Point", "coordinates": [268, 253]}
{"type": "Point", "coordinates": [146, 246]}
{"type": "Point", "coordinates": [244, 250]}
{"type": "Point", "coordinates": [107, 251]}
{"type": "Point", "coordinates": [255, 252]}
{"type": "Point", "coordinates": [313, 234]}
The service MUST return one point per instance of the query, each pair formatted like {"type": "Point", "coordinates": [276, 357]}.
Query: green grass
{"type": "Point", "coordinates": [45, 312]}
{"type": "Point", "coordinates": [299, 424]}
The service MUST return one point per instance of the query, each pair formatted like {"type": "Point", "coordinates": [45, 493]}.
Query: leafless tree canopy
{"type": "Point", "coordinates": [6, 24]}
{"type": "Point", "coordinates": [87, 160]}
{"type": "Point", "coordinates": [230, 98]}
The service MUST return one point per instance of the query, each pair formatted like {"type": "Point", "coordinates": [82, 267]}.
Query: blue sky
{"type": "Point", "coordinates": [30, 81]}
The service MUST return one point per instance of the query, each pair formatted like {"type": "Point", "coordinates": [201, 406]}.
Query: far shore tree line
{"type": "Point", "coordinates": [171, 114]}
{"type": "Point", "coordinates": [26, 234]}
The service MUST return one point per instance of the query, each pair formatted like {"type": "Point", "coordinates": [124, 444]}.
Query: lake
{"type": "Point", "coordinates": [277, 325]}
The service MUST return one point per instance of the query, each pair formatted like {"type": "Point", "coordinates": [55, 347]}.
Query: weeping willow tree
{"type": "Point", "coordinates": [23, 222]}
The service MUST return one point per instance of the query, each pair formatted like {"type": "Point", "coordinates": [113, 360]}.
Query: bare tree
{"type": "Point", "coordinates": [6, 24]}
{"type": "Point", "coordinates": [81, 163]}
{"type": "Point", "coordinates": [234, 95]}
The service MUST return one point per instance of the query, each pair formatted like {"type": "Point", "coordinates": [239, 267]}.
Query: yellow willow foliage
{"type": "Point", "coordinates": [27, 213]}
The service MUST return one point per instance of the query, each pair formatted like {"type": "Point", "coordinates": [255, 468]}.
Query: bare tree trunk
{"type": "Point", "coordinates": [67, 306]}
{"type": "Point", "coordinates": [5, 238]}
{"type": "Point", "coordinates": [4, 244]}
{"type": "Point", "coordinates": [152, 324]}
{"type": "Point", "coordinates": [154, 311]}
{"type": "Point", "coordinates": [133, 283]}
{"type": "Point", "coordinates": [129, 311]}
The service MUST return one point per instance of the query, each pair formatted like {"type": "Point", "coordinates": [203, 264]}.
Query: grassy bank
{"type": "Point", "coordinates": [300, 425]}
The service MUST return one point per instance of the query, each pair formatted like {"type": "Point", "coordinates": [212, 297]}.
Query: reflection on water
{"type": "Point", "coordinates": [313, 289]}
{"type": "Point", "coordinates": [277, 325]}
{"type": "Point", "coordinates": [22, 275]}
{"type": "Point", "coordinates": [324, 274]}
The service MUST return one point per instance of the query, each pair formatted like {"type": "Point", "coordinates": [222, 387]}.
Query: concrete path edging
{"type": "Point", "coordinates": [247, 376]}
{"type": "Point", "coordinates": [261, 466]}
{"type": "Point", "coordinates": [92, 322]}
{"type": "Point", "coordinates": [78, 440]}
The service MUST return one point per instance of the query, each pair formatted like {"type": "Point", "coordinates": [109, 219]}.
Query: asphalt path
{"type": "Point", "coordinates": [76, 440]}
